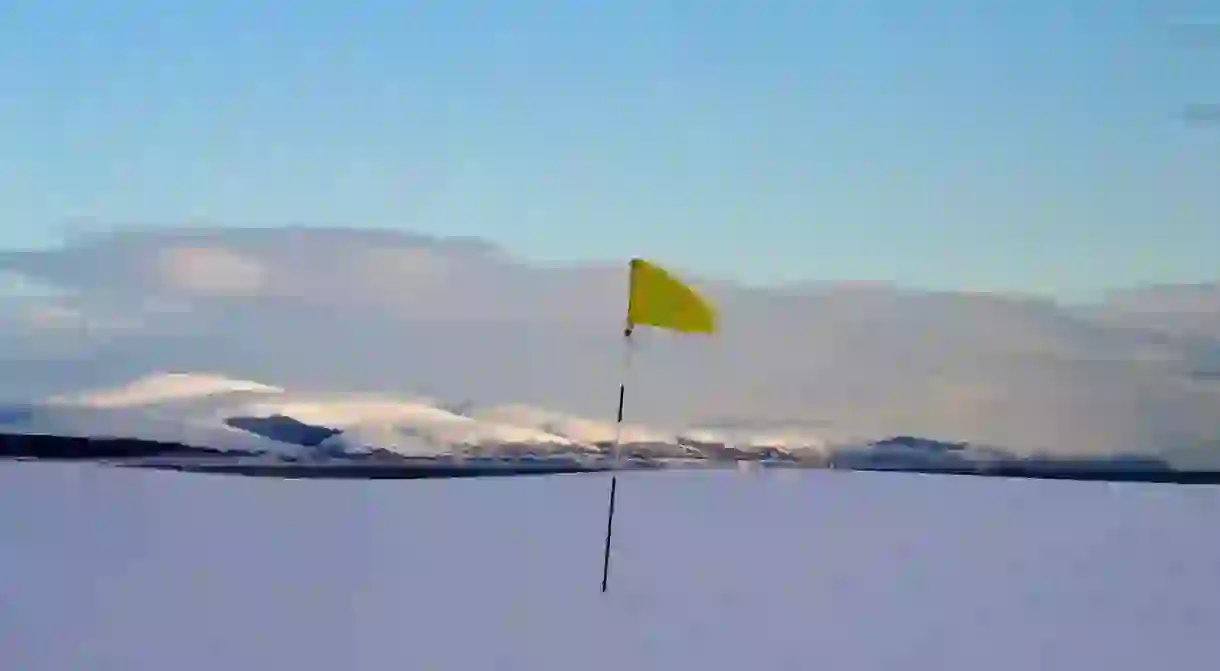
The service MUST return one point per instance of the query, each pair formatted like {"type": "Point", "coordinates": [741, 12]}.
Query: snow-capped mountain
{"type": "Point", "coordinates": [220, 413]}
{"type": "Point", "coordinates": [52, 419]}
{"type": "Point", "coordinates": [215, 411]}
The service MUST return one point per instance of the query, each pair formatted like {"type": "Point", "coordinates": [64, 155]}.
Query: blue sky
{"type": "Point", "coordinates": [1033, 147]}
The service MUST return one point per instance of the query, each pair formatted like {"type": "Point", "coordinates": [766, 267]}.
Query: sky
{"type": "Point", "coordinates": [1034, 147]}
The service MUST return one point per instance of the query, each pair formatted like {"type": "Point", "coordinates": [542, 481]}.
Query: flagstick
{"type": "Point", "coordinates": [614, 464]}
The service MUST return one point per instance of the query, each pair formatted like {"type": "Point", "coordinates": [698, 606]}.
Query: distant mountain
{"type": "Point", "coordinates": [284, 429]}
{"type": "Point", "coordinates": [183, 415]}
{"type": "Point", "coordinates": [914, 443]}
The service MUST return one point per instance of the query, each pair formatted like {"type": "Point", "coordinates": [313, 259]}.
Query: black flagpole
{"type": "Point", "coordinates": [618, 427]}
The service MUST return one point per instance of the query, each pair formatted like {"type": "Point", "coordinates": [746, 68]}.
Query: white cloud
{"type": "Point", "coordinates": [163, 387]}
{"type": "Point", "coordinates": [212, 271]}
{"type": "Point", "coordinates": [52, 316]}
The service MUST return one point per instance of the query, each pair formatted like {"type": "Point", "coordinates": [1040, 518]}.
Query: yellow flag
{"type": "Point", "coordinates": [659, 299]}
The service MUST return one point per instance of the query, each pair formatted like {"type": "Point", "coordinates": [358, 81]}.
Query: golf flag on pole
{"type": "Point", "coordinates": [658, 299]}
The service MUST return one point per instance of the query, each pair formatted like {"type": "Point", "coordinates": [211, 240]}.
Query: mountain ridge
{"type": "Point", "coordinates": [197, 414]}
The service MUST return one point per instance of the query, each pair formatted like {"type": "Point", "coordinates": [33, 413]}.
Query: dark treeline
{"type": "Point", "coordinates": [1043, 470]}
{"type": "Point", "coordinates": [80, 448]}
{"type": "Point", "coordinates": [356, 470]}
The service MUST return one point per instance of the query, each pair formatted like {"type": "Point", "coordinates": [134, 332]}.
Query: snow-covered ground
{"type": "Point", "coordinates": [112, 569]}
